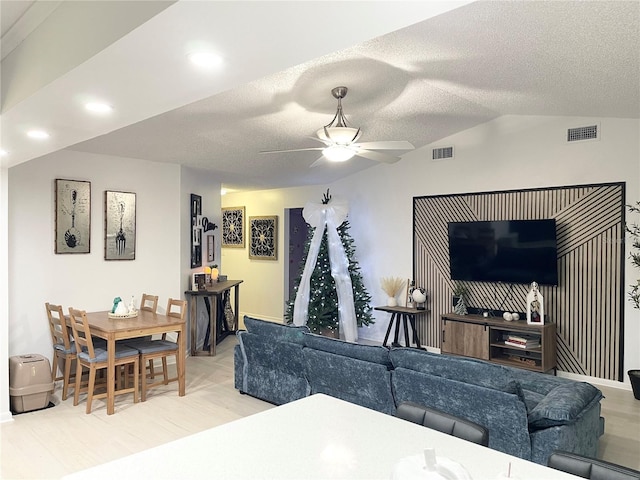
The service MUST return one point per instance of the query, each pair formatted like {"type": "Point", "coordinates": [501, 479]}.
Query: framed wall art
{"type": "Point", "coordinates": [73, 216]}
{"type": "Point", "coordinates": [263, 238]}
{"type": "Point", "coordinates": [233, 227]}
{"type": "Point", "coordinates": [211, 252]}
{"type": "Point", "coordinates": [196, 231]}
{"type": "Point", "coordinates": [119, 225]}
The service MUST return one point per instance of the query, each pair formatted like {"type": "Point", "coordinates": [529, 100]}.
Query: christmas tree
{"type": "Point", "coordinates": [323, 298]}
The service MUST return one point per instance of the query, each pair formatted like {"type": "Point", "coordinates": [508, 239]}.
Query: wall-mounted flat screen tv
{"type": "Point", "coordinates": [509, 251]}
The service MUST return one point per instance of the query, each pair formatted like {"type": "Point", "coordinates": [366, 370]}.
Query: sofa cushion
{"type": "Point", "coordinates": [476, 372]}
{"type": "Point", "coordinates": [351, 379]}
{"type": "Point", "coordinates": [563, 404]}
{"type": "Point", "coordinates": [275, 331]}
{"type": "Point", "coordinates": [367, 353]}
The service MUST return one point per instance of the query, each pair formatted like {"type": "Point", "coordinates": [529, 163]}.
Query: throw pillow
{"type": "Point", "coordinates": [563, 404]}
{"type": "Point", "coordinates": [275, 331]}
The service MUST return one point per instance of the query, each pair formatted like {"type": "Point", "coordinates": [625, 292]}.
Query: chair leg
{"type": "Point", "coordinates": [76, 392]}
{"type": "Point", "coordinates": [54, 367]}
{"type": "Point", "coordinates": [143, 376]}
{"type": "Point", "coordinates": [66, 378]}
{"type": "Point", "coordinates": [165, 371]}
{"type": "Point", "coordinates": [92, 384]}
{"type": "Point", "coordinates": [152, 373]}
{"type": "Point", "coordinates": [136, 379]}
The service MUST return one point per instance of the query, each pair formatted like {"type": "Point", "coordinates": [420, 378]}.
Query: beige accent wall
{"type": "Point", "coordinates": [586, 306]}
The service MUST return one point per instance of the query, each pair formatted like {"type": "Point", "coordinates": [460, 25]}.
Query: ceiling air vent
{"type": "Point", "coordinates": [442, 153]}
{"type": "Point", "coordinates": [582, 133]}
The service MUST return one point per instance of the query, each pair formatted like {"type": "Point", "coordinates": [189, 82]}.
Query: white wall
{"type": "Point", "coordinates": [5, 415]}
{"type": "Point", "coordinates": [510, 152]}
{"type": "Point", "coordinates": [37, 275]}
{"type": "Point", "coordinates": [206, 185]}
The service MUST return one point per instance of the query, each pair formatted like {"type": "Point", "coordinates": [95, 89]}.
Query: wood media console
{"type": "Point", "coordinates": [496, 340]}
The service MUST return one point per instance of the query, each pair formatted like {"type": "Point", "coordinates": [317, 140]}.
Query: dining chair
{"type": "Point", "coordinates": [443, 422]}
{"type": "Point", "coordinates": [592, 468]}
{"type": "Point", "coordinates": [149, 303]}
{"type": "Point", "coordinates": [161, 348]}
{"type": "Point", "coordinates": [94, 357]}
{"type": "Point", "coordinates": [64, 349]}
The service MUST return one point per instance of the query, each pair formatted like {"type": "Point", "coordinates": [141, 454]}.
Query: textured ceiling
{"type": "Point", "coordinates": [420, 83]}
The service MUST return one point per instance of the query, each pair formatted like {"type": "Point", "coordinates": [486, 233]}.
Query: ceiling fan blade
{"type": "Point", "coordinates": [377, 156]}
{"type": "Point", "coordinates": [292, 150]}
{"type": "Point", "coordinates": [319, 161]}
{"type": "Point", "coordinates": [387, 145]}
{"type": "Point", "coordinates": [326, 142]}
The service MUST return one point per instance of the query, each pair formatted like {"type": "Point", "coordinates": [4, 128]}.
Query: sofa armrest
{"type": "Point", "coordinates": [563, 405]}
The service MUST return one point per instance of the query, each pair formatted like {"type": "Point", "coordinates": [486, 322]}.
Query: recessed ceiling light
{"type": "Point", "coordinates": [205, 59]}
{"type": "Point", "coordinates": [3, 153]}
{"type": "Point", "coordinates": [97, 107]}
{"type": "Point", "coordinates": [38, 134]}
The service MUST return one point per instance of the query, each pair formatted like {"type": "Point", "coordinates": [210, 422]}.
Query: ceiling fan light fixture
{"type": "Point", "coordinates": [339, 135]}
{"type": "Point", "coordinates": [338, 153]}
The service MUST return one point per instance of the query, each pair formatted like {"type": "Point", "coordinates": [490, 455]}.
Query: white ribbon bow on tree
{"type": "Point", "coordinates": [332, 215]}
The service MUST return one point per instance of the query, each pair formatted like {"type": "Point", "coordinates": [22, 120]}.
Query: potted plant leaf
{"type": "Point", "coordinates": [634, 294]}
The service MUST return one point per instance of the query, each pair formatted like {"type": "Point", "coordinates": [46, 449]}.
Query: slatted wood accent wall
{"type": "Point", "coordinates": [587, 305]}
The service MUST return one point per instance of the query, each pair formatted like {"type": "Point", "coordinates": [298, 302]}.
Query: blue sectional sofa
{"type": "Point", "coordinates": [528, 414]}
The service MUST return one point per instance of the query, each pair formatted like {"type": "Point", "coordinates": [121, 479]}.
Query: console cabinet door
{"type": "Point", "coordinates": [468, 339]}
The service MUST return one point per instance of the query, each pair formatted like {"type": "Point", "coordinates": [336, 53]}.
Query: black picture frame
{"type": "Point", "coordinates": [196, 231]}
{"type": "Point", "coordinates": [119, 225]}
{"type": "Point", "coordinates": [72, 216]}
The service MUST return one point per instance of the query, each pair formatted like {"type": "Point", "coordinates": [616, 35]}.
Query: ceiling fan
{"type": "Point", "coordinates": [340, 140]}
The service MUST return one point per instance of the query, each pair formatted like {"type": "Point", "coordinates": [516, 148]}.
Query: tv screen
{"type": "Point", "coordinates": [509, 251]}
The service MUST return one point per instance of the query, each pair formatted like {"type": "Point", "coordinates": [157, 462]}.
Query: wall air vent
{"type": "Point", "coordinates": [442, 153]}
{"type": "Point", "coordinates": [582, 133]}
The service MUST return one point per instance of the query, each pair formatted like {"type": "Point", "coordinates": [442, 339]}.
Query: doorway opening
{"type": "Point", "coordinates": [295, 229]}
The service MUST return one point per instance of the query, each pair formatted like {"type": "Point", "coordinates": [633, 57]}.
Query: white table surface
{"type": "Point", "coordinates": [318, 437]}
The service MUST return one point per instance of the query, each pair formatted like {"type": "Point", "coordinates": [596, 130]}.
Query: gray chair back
{"type": "Point", "coordinates": [443, 422]}
{"type": "Point", "coordinates": [591, 468]}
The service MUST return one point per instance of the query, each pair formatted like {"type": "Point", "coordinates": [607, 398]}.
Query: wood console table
{"type": "Point", "coordinates": [214, 292]}
{"type": "Point", "coordinates": [404, 315]}
{"type": "Point", "coordinates": [484, 337]}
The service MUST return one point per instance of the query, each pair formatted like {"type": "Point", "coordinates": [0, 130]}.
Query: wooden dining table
{"type": "Point", "coordinates": [146, 323]}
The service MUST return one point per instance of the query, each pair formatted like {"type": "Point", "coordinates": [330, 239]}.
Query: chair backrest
{"type": "Point", "coordinates": [592, 468]}
{"type": "Point", "coordinates": [149, 303]}
{"type": "Point", "coordinates": [81, 332]}
{"type": "Point", "coordinates": [176, 308]}
{"type": "Point", "coordinates": [443, 422]}
{"type": "Point", "coordinates": [58, 326]}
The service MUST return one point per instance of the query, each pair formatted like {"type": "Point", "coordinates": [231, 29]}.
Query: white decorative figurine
{"type": "Point", "coordinates": [121, 309]}
{"type": "Point", "coordinates": [535, 306]}
{"type": "Point", "coordinates": [132, 306]}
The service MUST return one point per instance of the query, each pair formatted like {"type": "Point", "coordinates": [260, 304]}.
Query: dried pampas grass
{"type": "Point", "coordinates": [392, 286]}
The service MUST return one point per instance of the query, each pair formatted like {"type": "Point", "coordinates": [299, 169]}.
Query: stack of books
{"type": "Point", "coordinates": [522, 341]}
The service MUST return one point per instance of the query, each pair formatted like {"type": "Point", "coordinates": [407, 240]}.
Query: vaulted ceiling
{"type": "Point", "coordinates": [416, 71]}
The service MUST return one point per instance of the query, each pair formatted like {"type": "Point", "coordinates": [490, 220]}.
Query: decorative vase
{"type": "Point", "coordinates": [392, 302]}
{"type": "Point", "coordinates": [634, 378]}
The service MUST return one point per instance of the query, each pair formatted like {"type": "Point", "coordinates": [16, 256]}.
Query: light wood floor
{"type": "Point", "coordinates": [60, 440]}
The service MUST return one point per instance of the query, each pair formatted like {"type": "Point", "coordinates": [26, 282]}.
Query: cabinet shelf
{"type": "Point", "coordinates": [517, 349]}
{"type": "Point", "coordinates": [479, 337]}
